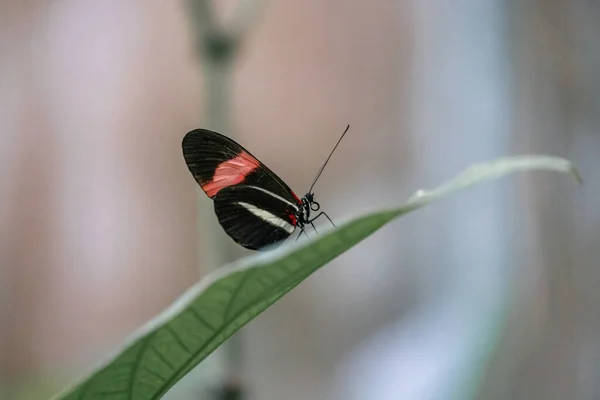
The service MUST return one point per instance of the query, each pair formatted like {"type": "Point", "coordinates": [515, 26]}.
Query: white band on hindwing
{"type": "Point", "coordinates": [268, 217]}
{"type": "Point", "coordinates": [293, 205]}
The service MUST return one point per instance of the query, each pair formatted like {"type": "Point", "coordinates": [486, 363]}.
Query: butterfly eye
{"type": "Point", "coordinates": [315, 206]}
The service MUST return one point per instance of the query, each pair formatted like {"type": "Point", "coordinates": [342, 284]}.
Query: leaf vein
{"type": "Point", "coordinates": [136, 364]}
{"type": "Point", "coordinates": [200, 318]}
{"type": "Point", "coordinates": [162, 357]}
{"type": "Point", "coordinates": [237, 291]}
{"type": "Point", "coordinates": [178, 339]}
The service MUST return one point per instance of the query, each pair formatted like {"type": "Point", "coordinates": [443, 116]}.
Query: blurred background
{"type": "Point", "coordinates": [492, 294]}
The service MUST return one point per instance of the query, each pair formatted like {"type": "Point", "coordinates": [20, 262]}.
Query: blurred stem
{"type": "Point", "coordinates": [219, 57]}
{"type": "Point", "coordinates": [218, 88]}
{"type": "Point", "coordinates": [218, 73]}
{"type": "Point", "coordinates": [218, 48]}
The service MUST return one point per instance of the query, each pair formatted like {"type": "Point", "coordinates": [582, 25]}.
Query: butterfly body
{"type": "Point", "coordinates": [253, 205]}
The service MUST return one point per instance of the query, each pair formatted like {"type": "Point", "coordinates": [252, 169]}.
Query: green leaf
{"type": "Point", "coordinates": [172, 344]}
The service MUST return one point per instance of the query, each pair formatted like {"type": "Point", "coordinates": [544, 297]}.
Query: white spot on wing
{"type": "Point", "coordinates": [268, 217]}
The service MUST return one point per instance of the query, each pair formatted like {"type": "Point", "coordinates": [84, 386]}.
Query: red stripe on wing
{"type": "Point", "coordinates": [296, 197]}
{"type": "Point", "coordinates": [231, 172]}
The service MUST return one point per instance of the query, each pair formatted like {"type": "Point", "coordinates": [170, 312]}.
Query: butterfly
{"type": "Point", "coordinates": [255, 207]}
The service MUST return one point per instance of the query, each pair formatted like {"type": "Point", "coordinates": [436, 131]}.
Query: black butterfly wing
{"type": "Point", "coordinates": [255, 217]}
{"type": "Point", "coordinates": [217, 162]}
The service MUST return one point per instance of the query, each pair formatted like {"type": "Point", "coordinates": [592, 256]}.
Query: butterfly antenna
{"type": "Point", "coordinates": [326, 161]}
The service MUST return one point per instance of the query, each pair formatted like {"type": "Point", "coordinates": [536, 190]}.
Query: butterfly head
{"type": "Point", "coordinates": [309, 204]}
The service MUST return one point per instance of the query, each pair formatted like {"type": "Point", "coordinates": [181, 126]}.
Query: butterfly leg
{"type": "Point", "coordinates": [302, 230]}
{"type": "Point", "coordinates": [313, 225]}
{"type": "Point", "coordinates": [326, 216]}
